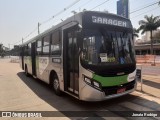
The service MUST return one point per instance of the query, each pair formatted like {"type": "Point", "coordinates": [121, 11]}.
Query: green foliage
{"type": "Point", "coordinates": [149, 24]}
{"type": "Point", "coordinates": [1, 50]}
{"type": "Point", "coordinates": [135, 32]}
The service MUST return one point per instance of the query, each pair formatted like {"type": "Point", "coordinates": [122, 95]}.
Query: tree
{"type": "Point", "coordinates": [156, 37]}
{"type": "Point", "coordinates": [149, 24]}
{"type": "Point", "coordinates": [135, 34]}
{"type": "Point", "coordinates": [1, 50]}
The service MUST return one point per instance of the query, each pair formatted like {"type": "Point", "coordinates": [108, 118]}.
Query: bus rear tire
{"type": "Point", "coordinates": [56, 85]}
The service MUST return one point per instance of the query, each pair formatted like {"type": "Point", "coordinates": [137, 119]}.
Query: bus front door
{"type": "Point", "coordinates": [71, 62]}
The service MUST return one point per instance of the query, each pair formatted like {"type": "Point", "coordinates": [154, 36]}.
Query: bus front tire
{"type": "Point", "coordinates": [56, 86]}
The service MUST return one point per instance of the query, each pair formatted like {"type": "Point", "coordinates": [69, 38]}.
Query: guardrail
{"type": "Point", "coordinates": [14, 59]}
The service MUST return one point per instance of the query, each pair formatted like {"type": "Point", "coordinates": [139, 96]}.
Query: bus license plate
{"type": "Point", "coordinates": [121, 90]}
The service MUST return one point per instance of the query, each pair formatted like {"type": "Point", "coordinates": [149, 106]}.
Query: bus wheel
{"type": "Point", "coordinates": [26, 71]}
{"type": "Point", "coordinates": [56, 86]}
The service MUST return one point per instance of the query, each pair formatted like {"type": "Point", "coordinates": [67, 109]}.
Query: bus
{"type": "Point", "coordinates": [89, 56]}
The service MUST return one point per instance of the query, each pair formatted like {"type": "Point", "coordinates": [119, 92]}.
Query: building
{"type": "Point", "coordinates": [143, 45]}
{"type": "Point", "coordinates": [143, 49]}
{"type": "Point", "coordinates": [147, 36]}
{"type": "Point", "coordinates": [5, 48]}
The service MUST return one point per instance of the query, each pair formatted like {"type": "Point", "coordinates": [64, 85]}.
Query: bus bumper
{"type": "Point", "coordinates": [91, 94]}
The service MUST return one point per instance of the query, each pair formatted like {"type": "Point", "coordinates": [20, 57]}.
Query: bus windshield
{"type": "Point", "coordinates": [103, 47]}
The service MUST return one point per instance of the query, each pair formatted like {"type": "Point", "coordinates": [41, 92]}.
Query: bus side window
{"type": "Point", "coordinates": [56, 43]}
{"type": "Point", "coordinates": [46, 42]}
{"type": "Point", "coordinates": [39, 47]}
{"type": "Point", "coordinates": [26, 50]}
{"type": "Point", "coordinates": [29, 49]}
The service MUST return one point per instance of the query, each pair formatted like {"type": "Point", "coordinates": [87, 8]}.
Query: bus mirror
{"type": "Point", "coordinates": [80, 26]}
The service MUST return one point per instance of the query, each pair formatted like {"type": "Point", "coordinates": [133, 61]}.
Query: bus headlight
{"type": "Point", "coordinates": [87, 80]}
{"type": "Point", "coordinates": [92, 83]}
{"type": "Point", "coordinates": [96, 84]}
{"type": "Point", "coordinates": [132, 78]}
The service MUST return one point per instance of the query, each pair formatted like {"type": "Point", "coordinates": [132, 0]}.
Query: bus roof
{"type": "Point", "coordinates": [75, 18]}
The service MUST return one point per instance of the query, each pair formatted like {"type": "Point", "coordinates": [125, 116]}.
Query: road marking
{"type": "Point", "coordinates": [135, 106]}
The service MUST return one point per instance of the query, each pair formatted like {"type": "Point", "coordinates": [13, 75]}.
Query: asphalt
{"type": "Point", "coordinates": [21, 93]}
{"type": "Point", "coordinates": [150, 85]}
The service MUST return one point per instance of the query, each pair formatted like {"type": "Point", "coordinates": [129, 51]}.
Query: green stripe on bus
{"type": "Point", "coordinates": [110, 81]}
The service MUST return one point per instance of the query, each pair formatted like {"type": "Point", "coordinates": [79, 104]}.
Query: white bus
{"type": "Point", "coordinates": [89, 56]}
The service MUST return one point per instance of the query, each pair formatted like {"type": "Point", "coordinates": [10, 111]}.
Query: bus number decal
{"type": "Point", "coordinates": [43, 63]}
{"type": "Point", "coordinates": [56, 60]}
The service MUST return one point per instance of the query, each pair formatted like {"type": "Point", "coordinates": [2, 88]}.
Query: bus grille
{"type": "Point", "coordinates": [113, 90]}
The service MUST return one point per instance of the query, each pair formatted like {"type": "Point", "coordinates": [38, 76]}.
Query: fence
{"type": "Point", "coordinates": [148, 59]}
{"type": "Point", "coordinates": [14, 59]}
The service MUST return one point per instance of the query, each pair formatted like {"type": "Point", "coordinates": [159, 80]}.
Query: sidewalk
{"type": "Point", "coordinates": [151, 85]}
{"type": "Point", "coordinates": [150, 79]}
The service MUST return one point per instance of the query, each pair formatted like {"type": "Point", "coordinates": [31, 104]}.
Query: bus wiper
{"type": "Point", "coordinates": [104, 35]}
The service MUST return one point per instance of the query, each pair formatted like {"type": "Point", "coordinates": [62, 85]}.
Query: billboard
{"type": "Point", "coordinates": [123, 8]}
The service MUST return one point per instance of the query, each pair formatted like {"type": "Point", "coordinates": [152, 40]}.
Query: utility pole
{"type": "Point", "coordinates": [38, 27]}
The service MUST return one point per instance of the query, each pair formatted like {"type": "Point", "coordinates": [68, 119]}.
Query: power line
{"type": "Point", "coordinates": [60, 12]}
{"type": "Point", "coordinates": [26, 36]}
{"type": "Point", "coordinates": [86, 3]}
{"type": "Point", "coordinates": [143, 7]}
{"type": "Point", "coordinates": [66, 8]}
{"type": "Point", "coordinates": [16, 42]}
{"type": "Point", "coordinates": [53, 17]}
{"type": "Point", "coordinates": [145, 12]}
{"type": "Point", "coordinates": [99, 5]}
{"type": "Point", "coordinates": [31, 33]}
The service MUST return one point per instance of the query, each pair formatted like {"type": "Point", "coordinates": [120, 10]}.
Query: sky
{"type": "Point", "coordinates": [19, 18]}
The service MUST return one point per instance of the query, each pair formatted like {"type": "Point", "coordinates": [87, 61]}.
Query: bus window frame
{"type": "Point", "coordinates": [37, 46]}
{"type": "Point", "coordinates": [45, 45]}
{"type": "Point", "coordinates": [59, 32]}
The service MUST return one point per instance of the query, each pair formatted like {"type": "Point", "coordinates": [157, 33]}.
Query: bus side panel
{"type": "Point", "coordinates": [44, 67]}
{"type": "Point", "coordinates": [57, 66]}
{"type": "Point", "coordinates": [21, 58]}
{"type": "Point", "coordinates": [42, 71]}
{"type": "Point", "coordinates": [28, 64]}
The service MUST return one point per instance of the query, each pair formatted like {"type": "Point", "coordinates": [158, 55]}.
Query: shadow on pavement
{"type": "Point", "coordinates": [68, 103]}
{"type": "Point", "coordinates": [151, 83]}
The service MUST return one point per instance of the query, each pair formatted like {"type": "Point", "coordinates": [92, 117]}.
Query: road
{"type": "Point", "coordinates": [21, 93]}
{"type": "Point", "coordinates": [150, 70]}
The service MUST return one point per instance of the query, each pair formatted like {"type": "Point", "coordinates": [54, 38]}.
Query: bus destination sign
{"type": "Point", "coordinates": [109, 21]}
